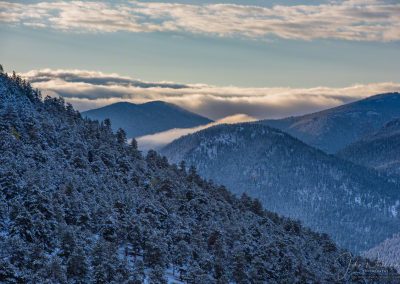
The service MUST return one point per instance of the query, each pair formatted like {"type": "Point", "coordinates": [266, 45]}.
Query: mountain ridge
{"type": "Point", "coordinates": [333, 129]}
{"type": "Point", "coordinates": [387, 252]}
{"type": "Point", "coordinates": [379, 150]}
{"type": "Point", "coordinates": [146, 118]}
{"type": "Point", "coordinates": [295, 180]}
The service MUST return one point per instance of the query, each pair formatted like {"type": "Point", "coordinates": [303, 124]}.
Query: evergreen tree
{"type": "Point", "coordinates": [68, 243]}
{"type": "Point", "coordinates": [107, 123]}
{"type": "Point", "coordinates": [157, 275]}
{"type": "Point", "coordinates": [121, 136]}
{"type": "Point", "coordinates": [239, 270]}
{"type": "Point", "coordinates": [55, 271]}
{"type": "Point", "coordinates": [77, 267]}
{"type": "Point", "coordinates": [104, 262]}
{"type": "Point", "coordinates": [138, 274]}
{"type": "Point", "coordinates": [182, 166]}
{"type": "Point", "coordinates": [134, 144]}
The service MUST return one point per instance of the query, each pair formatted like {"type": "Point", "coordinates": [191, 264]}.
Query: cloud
{"type": "Point", "coordinates": [158, 140]}
{"type": "Point", "coordinates": [90, 89]}
{"type": "Point", "coordinates": [360, 20]}
{"type": "Point", "coordinates": [96, 78]}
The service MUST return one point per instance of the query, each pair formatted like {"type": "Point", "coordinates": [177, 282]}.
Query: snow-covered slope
{"type": "Point", "coordinates": [148, 118]}
{"type": "Point", "coordinates": [354, 205]}
{"type": "Point", "coordinates": [380, 150]}
{"type": "Point", "coordinates": [388, 252]}
{"type": "Point", "coordinates": [333, 129]}
{"type": "Point", "coordinates": [79, 205]}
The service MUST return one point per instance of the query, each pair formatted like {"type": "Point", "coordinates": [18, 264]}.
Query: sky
{"type": "Point", "coordinates": [261, 58]}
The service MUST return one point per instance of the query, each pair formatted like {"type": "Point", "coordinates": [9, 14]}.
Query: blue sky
{"type": "Point", "coordinates": [253, 43]}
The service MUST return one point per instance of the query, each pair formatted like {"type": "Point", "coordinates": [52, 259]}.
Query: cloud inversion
{"type": "Point", "coordinates": [158, 140]}
{"type": "Point", "coordinates": [90, 89]}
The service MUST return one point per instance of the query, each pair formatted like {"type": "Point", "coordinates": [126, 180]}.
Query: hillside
{"type": "Point", "coordinates": [354, 205]}
{"type": "Point", "coordinates": [79, 205]}
{"type": "Point", "coordinates": [388, 252]}
{"type": "Point", "coordinates": [333, 129]}
{"type": "Point", "coordinates": [380, 150]}
{"type": "Point", "coordinates": [148, 118]}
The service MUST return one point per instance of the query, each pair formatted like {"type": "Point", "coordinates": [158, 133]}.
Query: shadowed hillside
{"type": "Point", "coordinates": [148, 118]}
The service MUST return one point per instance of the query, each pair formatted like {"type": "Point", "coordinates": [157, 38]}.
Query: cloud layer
{"type": "Point", "coordinates": [90, 89]}
{"type": "Point", "coordinates": [361, 20]}
{"type": "Point", "coordinates": [158, 140]}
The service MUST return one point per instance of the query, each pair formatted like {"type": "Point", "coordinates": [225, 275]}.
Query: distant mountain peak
{"type": "Point", "coordinates": [390, 95]}
{"type": "Point", "coordinates": [121, 104]}
{"type": "Point", "coordinates": [333, 129]}
{"type": "Point", "coordinates": [158, 102]}
{"type": "Point", "coordinates": [146, 118]}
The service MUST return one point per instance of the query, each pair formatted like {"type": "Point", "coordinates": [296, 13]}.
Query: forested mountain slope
{"type": "Point", "coordinates": [333, 129]}
{"type": "Point", "coordinates": [148, 118]}
{"type": "Point", "coordinates": [380, 150]}
{"type": "Point", "coordinates": [78, 205]}
{"type": "Point", "coordinates": [354, 205]}
{"type": "Point", "coordinates": [388, 252]}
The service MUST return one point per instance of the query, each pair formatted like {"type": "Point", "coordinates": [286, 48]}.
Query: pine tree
{"type": "Point", "coordinates": [157, 275]}
{"type": "Point", "coordinates": [182, 254]}
{"type": "Point", "coordinates": [55, 271]}
{"type": "Point", "coordinates": [193, 176]}
{"type": "Point", "coordinates": [257, 207]}
{"type": "Point", "coordinates": [121, 136]}
{"type": "Point", "coordinates": [182, 166]}
{"type": "Point", "coordinates": [134, 144]}
{"type": "Point", "coordinates": [104, 262]}
{"type": "Point", "coordinates": [68, 243]}
{"type": "Point", "coordinates": [239, 271]}
{"type": "Point", "coordinates": [77, 266]}
{"type": "Point", "coordinates": [198, 275]}
{"type": "Point", "coordinates": [138, 274]}
{"type": "Point", "coordinates": [8, 273]}
{"type": "Point", "coordinates": [107, 123]}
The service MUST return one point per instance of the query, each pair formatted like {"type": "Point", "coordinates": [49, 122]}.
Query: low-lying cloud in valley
{"type": "Point", "coordinates": [91, 89]}
{"type": "Point", "coordinates": [158, 140]}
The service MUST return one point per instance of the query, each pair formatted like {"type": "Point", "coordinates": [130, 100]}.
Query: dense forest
{"type": "Point", "coordinates": [379, 150]}
{"type": "Point", "coordinates": [356, 206]}
{"type": "Point", "coordinates": [80, 205]}
{"type": "Point", "coordinates": [387, 252]}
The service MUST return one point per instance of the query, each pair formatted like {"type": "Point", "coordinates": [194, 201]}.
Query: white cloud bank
{"type": "Point", "coordinates": [90, 89]}
{"type": "Point", "coordinates": [360, 20]}
{"type": "Point", "coordinates": [158, 140]}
